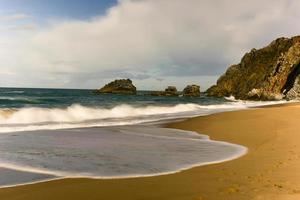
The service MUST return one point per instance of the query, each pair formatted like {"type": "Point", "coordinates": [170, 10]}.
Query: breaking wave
{"type": "Point", "coordinates": [78, 113]}
{"type": "Point", "coordinates": [74, 116]}
{"type": "Point", "coordinates": [12, 92]}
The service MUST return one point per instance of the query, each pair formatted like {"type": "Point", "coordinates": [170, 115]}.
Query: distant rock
{"type": "Point", "coordinates": [191, 91]}
{"type": "Point", "coordinates": [157, 93]}
{"type": "Point", "coordinates": [270, 73]}
{"type": "Point", "coordinates": [121, 86]}
{"type": "Point", "coordinates": [169, 91]}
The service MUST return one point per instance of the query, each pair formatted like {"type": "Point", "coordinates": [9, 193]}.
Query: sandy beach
{"type": "Point", "coordinates": [269, 171]}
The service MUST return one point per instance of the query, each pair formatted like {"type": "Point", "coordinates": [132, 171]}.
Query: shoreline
{"type": "Point", "coordinates": [222, 181]}
{"type": "Point", "coordinates": [194, 136]}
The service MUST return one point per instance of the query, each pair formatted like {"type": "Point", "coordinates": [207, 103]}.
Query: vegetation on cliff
{"type": "Point", "coordinates": [270, 73]}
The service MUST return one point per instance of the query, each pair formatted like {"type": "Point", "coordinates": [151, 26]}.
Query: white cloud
{"type": "Point", "coordinates": [13, 17]}
{"type": "Point", "coordinates": [6, 72]}
{"type": "Point", "coordinates": [22, 27]}
{"type": "Point", "coordinates": [150, 39]}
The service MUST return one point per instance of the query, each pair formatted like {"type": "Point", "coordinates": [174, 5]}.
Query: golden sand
{"type": "Point", "coordinates": [271, 169]}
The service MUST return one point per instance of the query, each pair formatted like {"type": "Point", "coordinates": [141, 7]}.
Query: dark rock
{"type": "Point", "coordinates": [121, 86]}
{"type": "Point", "coordinates": [191, 91]}
{"type": "Point", "coordinates": [294, 92]}
{"type": "Point", "coordinates": [169, 91]}
{"type": "Point", "coordinates": [158, 93]}
{"type": "Point", "coordinates": [270, 73]}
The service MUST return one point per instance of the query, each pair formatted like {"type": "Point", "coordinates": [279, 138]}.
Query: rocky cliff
{"type": "Point", "coordinates": [121, 86]}
{"type": "Point", "coordinates": [266, 74]}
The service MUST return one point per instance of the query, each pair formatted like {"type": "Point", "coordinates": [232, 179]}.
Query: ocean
{"type": "Point", "coordinates": [57, 133]}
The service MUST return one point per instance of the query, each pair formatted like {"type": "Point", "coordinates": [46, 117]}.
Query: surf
{"type": "Point", "coordinates": [76, 115]}
{"type": "Point", "coordinates": [107, 153]}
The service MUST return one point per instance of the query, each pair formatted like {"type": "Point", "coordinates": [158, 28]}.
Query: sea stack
{"type": "Point", "coordinates": [270, 73]}
{"type": "Point", "coordinates": [119, 86]}
{"type": "Point", "coordinates": [169, 91]}
{"type": "Point", "coordinates": [191, 91]}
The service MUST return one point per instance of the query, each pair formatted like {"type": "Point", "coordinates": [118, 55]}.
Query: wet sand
{"type": "Point", "coordinates": [271, 169]}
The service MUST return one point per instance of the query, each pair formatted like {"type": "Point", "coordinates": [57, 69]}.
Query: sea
{"type": "Point", "coordinates": [48, 134]}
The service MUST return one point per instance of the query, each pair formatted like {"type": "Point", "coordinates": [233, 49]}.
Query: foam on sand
{"type": "Point", "coordinates": [108, 153]}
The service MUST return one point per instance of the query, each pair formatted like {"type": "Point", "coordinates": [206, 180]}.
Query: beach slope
{"type": "Point", "coordinates": [271, 169]}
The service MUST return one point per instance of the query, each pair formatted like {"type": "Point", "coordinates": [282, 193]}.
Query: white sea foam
{"type": "Point", "coordinates": [231, 98]}
{"type": "Point", "coordinates": [12, 92]}
{"type": "Point", "coordinates": [107, 153]}
{"type": "Point", "coordinates": [25, 119]}
{"type": "Point", "coordinates": [77, 113]}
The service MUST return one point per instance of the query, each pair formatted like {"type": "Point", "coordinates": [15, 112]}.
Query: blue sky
{"type": "Point", "coordinates": [77, 9]}
{"type": "Point", "coordinates": [87, 43]}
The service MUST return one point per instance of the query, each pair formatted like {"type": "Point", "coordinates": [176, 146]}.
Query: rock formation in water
{"type": "Point", "coordinates": [121, 86]}
{"type": "Point", "coordinates": [270, 73]}
{"type": "Point", "coordinates": [191, 91]}
{"type": "Point", "coordinates": [169, 91]}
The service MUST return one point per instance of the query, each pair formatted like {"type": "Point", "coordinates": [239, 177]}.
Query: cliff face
{"type": "Point", "coordinates": [265, 74]}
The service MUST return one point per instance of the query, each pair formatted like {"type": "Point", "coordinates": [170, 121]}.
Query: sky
{"type": "Point", "coordinates": [156, 43]}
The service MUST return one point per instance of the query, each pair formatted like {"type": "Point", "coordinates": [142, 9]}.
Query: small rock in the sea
{"type": "Point", "coordinates": [169, 91]}
{"type": "Point", "coordinates": [121, 86]}
{"type": "Point", "coordinates": [191, 91]}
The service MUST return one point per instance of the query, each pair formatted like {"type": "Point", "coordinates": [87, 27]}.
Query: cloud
{"type": "Point", "coordinates": [146, 39]}
{"type": "Point", "coordinates": [23, 27]}
{"type": "Point", "coordinates": [17, 22]}
{"type": "Point", "coordinates": [14, 17]}
{"type": "Point", "coordinates": [6, 72]}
